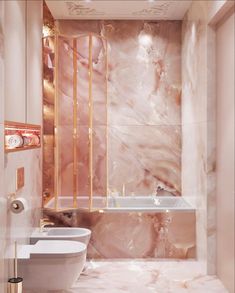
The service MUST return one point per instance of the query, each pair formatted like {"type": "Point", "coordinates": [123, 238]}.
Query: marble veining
{"type": "Point", "coordinates": [134, 234]}
{"type": "Point", "coordinates": [198, 126]}
{"type": "Point", "coordinates": [145, 277]}
{"type": "Point", "coordinates": [143, 111]}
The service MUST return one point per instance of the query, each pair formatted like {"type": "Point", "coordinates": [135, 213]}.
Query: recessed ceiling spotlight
{"type": "Point", "coordinates": [151, 0]}
{"type": "Point", "coordinates": [145, 40]}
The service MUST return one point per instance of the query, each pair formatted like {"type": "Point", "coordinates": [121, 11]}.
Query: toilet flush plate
{"type": "Point", "coordinates": [19, 178]}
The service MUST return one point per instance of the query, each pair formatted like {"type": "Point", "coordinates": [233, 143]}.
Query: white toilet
{"type": "Point", "coordinates": [51, 264]}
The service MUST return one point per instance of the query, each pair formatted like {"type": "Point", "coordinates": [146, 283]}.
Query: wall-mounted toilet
{"type": "Point", "coordinates": [51, 264]}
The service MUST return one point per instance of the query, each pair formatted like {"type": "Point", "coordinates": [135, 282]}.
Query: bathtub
{"type": "Point", "coordinates": [148, 204]}
{"type": "Point", "coordinates": [132, 226]}
{"type": "Point", "coordinates": [125, 203]}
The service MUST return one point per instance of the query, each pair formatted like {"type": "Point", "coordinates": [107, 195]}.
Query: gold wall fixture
{"type": "Point", "coordinates": [75, 130]}
{"type": "Point", "coordinates": [73, 44]}
{"type": "Point", "coordinates": [107, 122]}
{"type": "Point", "coordinates": [90, 103]}
{"type": "Point", "coordinates": [56, 122]}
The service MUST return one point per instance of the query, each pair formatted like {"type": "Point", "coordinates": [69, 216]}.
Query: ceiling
{"type": "Point", "coordinates": [118, 9]}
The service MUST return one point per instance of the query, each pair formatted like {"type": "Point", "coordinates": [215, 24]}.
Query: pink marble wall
{"type": "Point", "coordinates": [48, 115]}
{"type": "Point", "coordinates": [144, 133]}
{"type": "Point", "coordinates": [135, 235]}
{"type": "Point", "coordinates": [198, 127]}
{"type": "Point", "coordinates": [225, 151]}
{"type": "Point", "coordinates": [66, 117]}
{"type": "Point", "coordinates": [194, 117]}
{"type": "Point", "coordinates": [144, 106]}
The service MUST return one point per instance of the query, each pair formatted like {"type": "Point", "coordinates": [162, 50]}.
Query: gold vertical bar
{"type": "Point", "coordinates": [90, 125]}
{"type": "Point", "coordinates": [107, 121]}
{"type": "Point", "coordinates": [56, 122]}
{"type": "Point", "coordinates": [75, 171]}
{"type": "Point", "coordinates": [43, 123]}
{"type": "Point", "coordinates": [15, 262]}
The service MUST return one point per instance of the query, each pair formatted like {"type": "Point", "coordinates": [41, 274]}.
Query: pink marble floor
{"type": "Point", "coordinates": [146, 277]}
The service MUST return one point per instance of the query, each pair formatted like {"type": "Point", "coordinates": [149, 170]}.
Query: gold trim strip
{"type": "Point", "coordinates": [56, 122]}
{"type": "Point", "coordinates": [107, 123]}
{"type": "Point", "coordinates": [90, 124]}
{"type": "Point", "coordinates": [12, 124]}
{"type": "Point", "coordinates": [75, 209]}
{"type": "Point", "coordinates": [75, 105]}
{"type": "Point", "coordinates": [42, 117]}
{"type": "Point", "coordinates": [6, 150]}
{"type": "Point", "coordinates": [76, 36]}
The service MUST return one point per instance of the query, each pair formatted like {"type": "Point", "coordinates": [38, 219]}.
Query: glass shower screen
{"type": "Point", "coordinates": [80, 122]}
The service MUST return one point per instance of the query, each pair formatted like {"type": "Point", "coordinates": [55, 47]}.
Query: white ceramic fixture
{"type": "Point", "coordinates": [51, 265]}
{"type": "Point", "coordinates": [64, 233]}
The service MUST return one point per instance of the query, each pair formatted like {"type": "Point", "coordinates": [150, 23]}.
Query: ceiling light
{"type": "Point", "coordinates": [145, 40]}
{"type": "Point", "coordinates": [46, 31]}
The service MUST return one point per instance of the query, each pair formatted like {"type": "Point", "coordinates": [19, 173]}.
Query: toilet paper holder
{"type": "Point", "coordinates": [17, 204]}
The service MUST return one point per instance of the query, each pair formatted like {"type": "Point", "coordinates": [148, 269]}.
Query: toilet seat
{"type": "Point", "coordinates": [52, 248]}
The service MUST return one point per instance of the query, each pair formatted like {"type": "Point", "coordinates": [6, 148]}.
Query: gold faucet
{"type": "Point", "coordinates": [123, 190]}
{"type": "Point", "coordinates": [45, 222]}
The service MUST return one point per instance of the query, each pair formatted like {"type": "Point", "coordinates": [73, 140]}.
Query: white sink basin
{"type": "Point", "coordinates": [65, 233]}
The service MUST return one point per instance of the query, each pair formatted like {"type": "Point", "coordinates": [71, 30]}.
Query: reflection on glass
{"type": "Point", "coordinates": [81, 137]}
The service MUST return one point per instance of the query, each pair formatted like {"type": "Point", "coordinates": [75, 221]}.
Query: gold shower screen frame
{"type": "Point", "coordinates": [74, 38]}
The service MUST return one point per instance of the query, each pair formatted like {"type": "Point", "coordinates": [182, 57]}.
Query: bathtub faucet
{"type": "Point", "coordinates": [163, 190]}
{"type": "Point", "coordinates": [45, 222]}
{"type": "Point", "coordinates": [156, 192]}
{"type": "Point", "coordinates": [159, 188]}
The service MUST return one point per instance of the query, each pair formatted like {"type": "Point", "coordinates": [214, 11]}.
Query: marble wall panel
{"type": "Point", "coordinates": [143, 111]}
{"type": "Point", "coordinates": [225, 152]}
{"type": "Point", "coordinates": [141, 157]}
{"type": "Point", "coordinates": [48, 117]}
{"type": "Point", "coordinates": [48, 164]}
{"type": "Point", "coordinates": [3, 212]}
{"type": "Point", "coordinates": [135, 235]}
{"type": "Point", "coordinates": [144, 69]}
{"type": "Point", "coordinates": [194, 117]}
{"type": "Point", "coordinates": [198, 130]}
